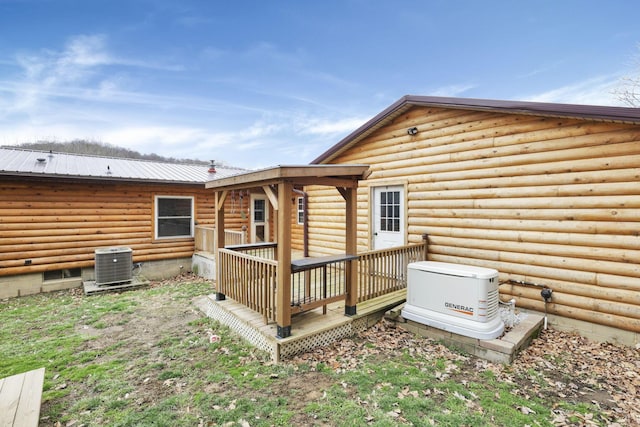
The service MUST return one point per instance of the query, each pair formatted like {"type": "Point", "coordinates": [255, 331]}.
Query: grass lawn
{"type": "Point", "coordinates": [146, 358]}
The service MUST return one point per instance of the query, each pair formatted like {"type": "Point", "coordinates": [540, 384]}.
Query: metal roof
{"type": "Point", "coordinates": [33, 163]}
{"type": "Point", "coordinates": [588, 112]}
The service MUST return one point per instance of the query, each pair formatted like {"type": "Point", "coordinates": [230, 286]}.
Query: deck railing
{"type": "Point", "coordinates": [261, 250]}
{"type": "Point", "coordinates": [384, 271]}
{"type": "Point", "coordinates": [205, 238]}
{"type": "Point", "coordinates": [316, 282]}
{"type": "Point", "coordinates": [233, 237]}
{"type": "Point", "coordinates": [249, 280]}
{"type": "Point", "coordinates": [247, 274]}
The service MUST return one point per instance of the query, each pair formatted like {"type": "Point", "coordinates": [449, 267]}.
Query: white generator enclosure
{"type": "Point", "coordinates": [113, 265]}
{"type": "Point", "coordinates": [462, 299]}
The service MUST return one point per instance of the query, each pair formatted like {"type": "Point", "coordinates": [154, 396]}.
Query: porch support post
{"type": "Point", "coordinates": [283, 292]}
{"type": "Point", "coordinates": [425, 241]}
{"type": "Point", "coordinates": [220, 197]}
{"type": "Point", "coordinates": [351, 269]}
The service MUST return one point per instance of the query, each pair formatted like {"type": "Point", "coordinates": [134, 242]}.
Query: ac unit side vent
{"type": "Point", "coordinates": [113, 265]}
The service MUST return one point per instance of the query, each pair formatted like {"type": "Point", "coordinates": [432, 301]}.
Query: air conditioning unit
{"type": "Point", "coordinates": [462, 299]}
{"type": "Point", "coordinates": [113, 265]}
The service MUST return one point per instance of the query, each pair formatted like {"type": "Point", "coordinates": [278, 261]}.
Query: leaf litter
{"type": "Point", "coordinates": [557, 366]}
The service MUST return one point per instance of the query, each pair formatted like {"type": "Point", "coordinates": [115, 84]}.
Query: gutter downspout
{"type": "Point", "coordinates": [305, 224]}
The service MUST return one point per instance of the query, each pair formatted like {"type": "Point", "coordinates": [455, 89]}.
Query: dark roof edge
{"type": "Point", "coordinates": [91, 178]}
{"type": "Point", "coordinates": [578, 111]}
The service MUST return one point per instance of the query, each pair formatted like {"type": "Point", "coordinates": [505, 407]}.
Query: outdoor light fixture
{"type": "Point", "coordinates": [412, 131]}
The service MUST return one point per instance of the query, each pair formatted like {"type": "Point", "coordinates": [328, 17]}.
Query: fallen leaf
{"type": "Point", "coordinates": [526, 410]}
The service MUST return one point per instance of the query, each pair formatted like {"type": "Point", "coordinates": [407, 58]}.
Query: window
{"type": "Point", "coordinates": [390, 211]}
{"type": "Point", "coordinates": [300, 210]}
{"type": "Point", "coordinates": [174, 217]}
{"type": "Point", "coordinates": [259, 206]}
{"type": "Point", "coordinates": [65, 273]}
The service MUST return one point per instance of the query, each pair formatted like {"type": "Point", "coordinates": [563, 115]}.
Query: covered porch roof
{"type": "Point", "coordinates": [330, 175]}
{"type": "Point", "coordinates": [278, 182]}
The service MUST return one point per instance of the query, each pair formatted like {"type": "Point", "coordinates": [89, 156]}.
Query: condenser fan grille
{"type": "Point", "coordinates": [113, 265]}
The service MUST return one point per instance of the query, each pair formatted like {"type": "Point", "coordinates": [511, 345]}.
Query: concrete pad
{"type": "Point", "coordinates": [499, 350]}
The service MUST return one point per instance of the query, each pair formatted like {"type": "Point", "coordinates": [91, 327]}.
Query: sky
{"type": "Point", "coordinates": [255, 84]}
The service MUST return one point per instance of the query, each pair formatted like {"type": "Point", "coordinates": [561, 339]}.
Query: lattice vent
{"type": "Point", "coordinates": [246, 331]}
{"type": "Point", "coordinates": [292, 348]}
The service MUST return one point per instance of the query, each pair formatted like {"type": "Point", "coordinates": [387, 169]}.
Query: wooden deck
{"type": "Point", "coordinates": [310, 329]}
{"type": "Point", "coordinates": [20, 397]}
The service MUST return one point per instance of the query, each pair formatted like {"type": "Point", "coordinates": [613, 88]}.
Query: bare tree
{"type": "Point", "coordinates": [629, 89]}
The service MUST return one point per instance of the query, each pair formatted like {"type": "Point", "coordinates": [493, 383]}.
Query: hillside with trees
{"type": "Point", "coordinates": [101, 149]}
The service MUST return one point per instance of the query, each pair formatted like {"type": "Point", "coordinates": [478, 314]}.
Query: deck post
{"type": "Point", "coordinates": [351, 248]}
{"type": "Point", "coordinates": [425, 240]}
{"type": "Point", "coordinates": [283, 293]}
{"type": "Point", "coordinates": [220, 196]}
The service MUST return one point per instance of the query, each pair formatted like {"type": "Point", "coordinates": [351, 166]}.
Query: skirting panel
{"type": "Point", "coordinates": [297, 346]}
{"type": "Point", "coordinates": [283, 349]}
{"type": "Point", "coordinates": [242, 328]}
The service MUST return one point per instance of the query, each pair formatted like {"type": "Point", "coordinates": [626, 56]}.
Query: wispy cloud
{"type": "Point", "coordinates": [74, 64]}
{"type": "Point", "coordinates": [542, 68]}
{"type": "Point", "coordinates": [333, 127]}
{"type": "Point", "coordinates": [75, 72]}
{"type": "Point", "coordinates": [452, 90]}
{"type": "Point", "coordinates": [593, 91]}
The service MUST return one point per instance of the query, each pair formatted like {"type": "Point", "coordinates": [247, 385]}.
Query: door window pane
{"type": "Point", "coordinates": [390, 211]}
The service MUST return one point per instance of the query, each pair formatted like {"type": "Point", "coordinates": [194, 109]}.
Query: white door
{"type": "Point", "coordinates": [388, 217]}
{"type": "Point", "coordinates": [259, 219]}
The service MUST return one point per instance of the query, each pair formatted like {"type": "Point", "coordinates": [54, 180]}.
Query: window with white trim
{"type": "Point", "coordinates": [300, 210]}
{"type": "Point", "coordinates": [174, 217]}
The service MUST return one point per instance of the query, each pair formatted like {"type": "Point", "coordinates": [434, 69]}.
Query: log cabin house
{"type": "Point", "coordinates": [56, 209]}
{"type": "Point", "coordinates": [547, 194]}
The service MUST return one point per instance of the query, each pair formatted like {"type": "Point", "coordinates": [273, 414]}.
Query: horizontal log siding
{"type": "Point", "coordinates": [59, 224]}
{"type": "Point", "coordinates": [549, 201]}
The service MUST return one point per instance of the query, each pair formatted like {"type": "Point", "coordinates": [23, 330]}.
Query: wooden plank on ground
{"type": "Point", "coordinates": [20, 398]}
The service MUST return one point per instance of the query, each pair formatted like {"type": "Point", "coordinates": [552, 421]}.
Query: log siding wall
{"type": "Point", "coordinates": [58, 224]}
{"type": "Point", "coordinates": [548, 201]}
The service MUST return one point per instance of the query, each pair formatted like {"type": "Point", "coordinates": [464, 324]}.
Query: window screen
{"type": "Point", "coordinates": [174, 217]}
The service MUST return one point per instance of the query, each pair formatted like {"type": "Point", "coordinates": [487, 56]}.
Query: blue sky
{"type": "Point", "coordinates": [262, 83]}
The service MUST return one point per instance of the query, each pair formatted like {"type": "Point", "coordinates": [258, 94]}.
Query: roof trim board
{"type": "Point", "coordinates": [341, 175]}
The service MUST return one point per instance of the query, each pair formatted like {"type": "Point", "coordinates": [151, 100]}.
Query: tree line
{"type": "Point", "coordinates": [93, 148]}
